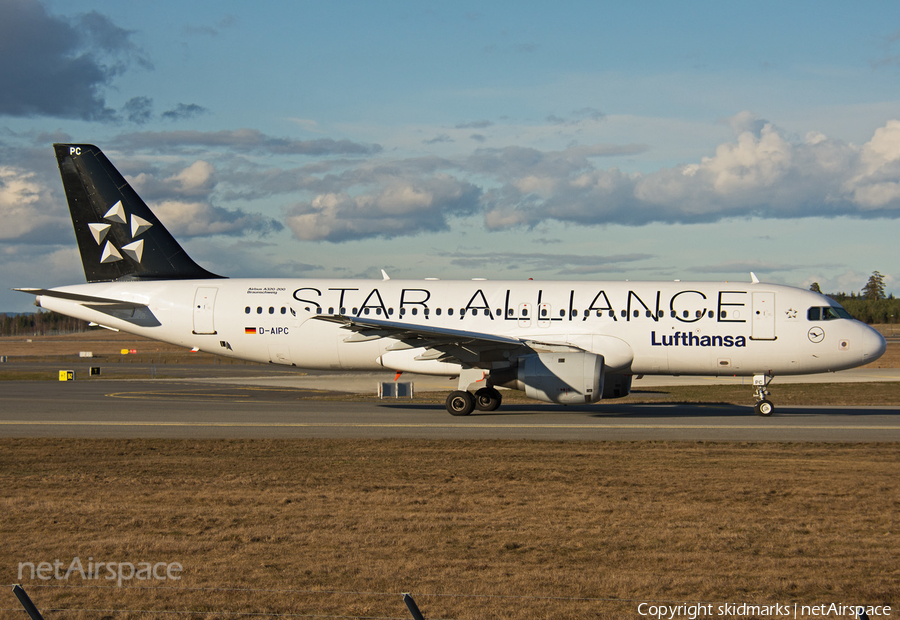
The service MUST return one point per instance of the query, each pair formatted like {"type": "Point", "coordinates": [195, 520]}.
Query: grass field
{"type": "Point", "coordinates": [474, 529]}
{"type": "Point", "coordinates": [488, 529]}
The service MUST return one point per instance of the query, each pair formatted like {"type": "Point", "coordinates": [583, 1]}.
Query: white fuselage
{"type": "Point", "coordinates": [699, 328]}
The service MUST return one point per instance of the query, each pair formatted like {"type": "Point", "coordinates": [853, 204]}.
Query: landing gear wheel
{"type": "Point", "coordinates": [487, 399]}
{"type": "Point", "coordinates": [460, 403]}
{"type": "Point", "coordinates": [764, 408]}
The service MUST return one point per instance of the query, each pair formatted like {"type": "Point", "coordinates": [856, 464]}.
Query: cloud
{"type": "Point", "coordinates": [762, 173]}
{"type": "Point", "coordinates": [561, 264]}
{"type": "Point", "coordinates": [24, 215]}
{"type": "Point", "coordinates": [57, 66]}
{"type": "Point", "coordinates": [182, 200]}
{"type": "Point", "coordinates": [139, 110]}
{"type": "Point", "coordinates": [197, 219]}
{"type": "Point", "coordinates": [400, 207]}
{"type": "Point", "coordinates": [211, 30]}
{"type": "Point", "coordinates": [590, 113]}
{"type": "Point", "coordinates": [484, 124]}
{"type": "Point", "coordinates": [438, 139]}
{"type": "Point", "coordinates": [243, 140]}
{"type": "Point", "coordinates": [183, 111]}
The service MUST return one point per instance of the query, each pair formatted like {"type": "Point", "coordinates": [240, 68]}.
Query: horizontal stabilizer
{"type": "Point", "coordinates": [106, 302]}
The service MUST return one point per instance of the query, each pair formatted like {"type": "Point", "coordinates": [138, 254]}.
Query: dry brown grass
{"type": "Point", "coordinates": [604, 524]}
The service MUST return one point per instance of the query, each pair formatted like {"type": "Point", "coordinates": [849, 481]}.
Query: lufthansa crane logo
{"type": "Point", "coordinates": [816, 334]}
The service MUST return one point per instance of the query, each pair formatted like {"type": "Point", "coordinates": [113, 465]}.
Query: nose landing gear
{"type": "Point", "coordinates": [764, 406]}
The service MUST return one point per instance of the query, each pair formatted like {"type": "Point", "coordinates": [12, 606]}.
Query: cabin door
{"type": "Point", "coordinates": [763, 316]}
{"type": "Point", "coordinates": [204, 305]}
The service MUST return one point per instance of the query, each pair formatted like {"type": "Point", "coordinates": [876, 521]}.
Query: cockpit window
{"type": "Point", "coordinates": [827, 313]}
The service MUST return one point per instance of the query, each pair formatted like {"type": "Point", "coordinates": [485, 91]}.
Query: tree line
{"type": "Point", "coordinates": [870, 305]}
{"type": "Point", "coordinates": [40, 324]}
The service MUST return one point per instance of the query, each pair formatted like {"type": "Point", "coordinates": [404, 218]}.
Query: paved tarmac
{"type": "Point", "coordinates": [214, 409]}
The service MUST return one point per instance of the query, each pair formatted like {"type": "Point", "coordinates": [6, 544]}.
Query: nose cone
{"type": "Point", "coordinates": [873, 345]}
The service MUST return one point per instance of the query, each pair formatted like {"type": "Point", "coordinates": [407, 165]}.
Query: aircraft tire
{"type": "Point", "coordinates": [765, 408]}
{"type": "Point", "coordinates": [460, 403]}
{"type": "Point", "coordinates": [487, 399]}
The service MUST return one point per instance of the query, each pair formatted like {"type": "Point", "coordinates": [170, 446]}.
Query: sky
{"type": "Point", "coordinates": [502, 140]}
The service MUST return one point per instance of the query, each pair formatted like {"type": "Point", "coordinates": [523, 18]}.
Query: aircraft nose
{"type": "Point", "coordinates": [873, 345]}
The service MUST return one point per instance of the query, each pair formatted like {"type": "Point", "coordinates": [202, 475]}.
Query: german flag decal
{"type": "Point", "coordinates": [249, 330]}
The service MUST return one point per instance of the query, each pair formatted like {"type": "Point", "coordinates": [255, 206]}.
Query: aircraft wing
{"type": "Point", "coordinates": [406, 332]}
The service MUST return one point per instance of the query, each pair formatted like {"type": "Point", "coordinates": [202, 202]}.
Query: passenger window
{"type": "Point", "coordinates": [449, 311]}
{"type": "Point", "coordinates": [637, 313]}
{"type": "Point", "coordinates": [247, 310]}
{"type": "Point", "coordinates": [271, 310]}
{"type": "Point", "coordinates": [562, 313]}
{"type": "Point", "coordinates": [415, 311]}
{"type": "Point", "coordinates": [331, 311]}
{"type": "Point", "coordinates": [438, 312]}
{"type": "Point", "coordinates": [259, 310]}
{"type": "Point", "coordinates": [283, 310]}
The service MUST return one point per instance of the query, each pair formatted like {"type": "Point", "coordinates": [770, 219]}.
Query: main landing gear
{"type": "Point", "coordinates": [461, 402]}
{"type": "Point", "coordinates": [764, 406]}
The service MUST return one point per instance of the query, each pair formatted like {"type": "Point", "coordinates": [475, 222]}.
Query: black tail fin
{"type": "Point", "coordinates": [118, 236]}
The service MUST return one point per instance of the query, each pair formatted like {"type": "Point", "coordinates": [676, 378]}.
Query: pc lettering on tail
{"type": "Point", "coordinates": [568, 342]}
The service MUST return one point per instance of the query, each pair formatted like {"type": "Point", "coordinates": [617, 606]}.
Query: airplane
{"type": "Point", "coordinates": [566, 342]}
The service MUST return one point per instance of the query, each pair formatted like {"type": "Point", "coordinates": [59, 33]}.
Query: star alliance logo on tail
{"type": "Point", "coordinates": [117, 215]}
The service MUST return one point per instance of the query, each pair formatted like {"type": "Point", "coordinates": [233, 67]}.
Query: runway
{"type": "Point", "coordinates": [194, 410]}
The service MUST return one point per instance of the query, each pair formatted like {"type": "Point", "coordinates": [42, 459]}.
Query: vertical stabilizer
{"type": "Point", "coordinates": [118, 236]}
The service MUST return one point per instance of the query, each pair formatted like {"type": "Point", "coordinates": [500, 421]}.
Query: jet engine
{"type": "Point", "coordinates": [567, 378]}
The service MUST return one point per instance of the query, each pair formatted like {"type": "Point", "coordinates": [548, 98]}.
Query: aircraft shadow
{"type": "Point", "coordinates": [661, 410]}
